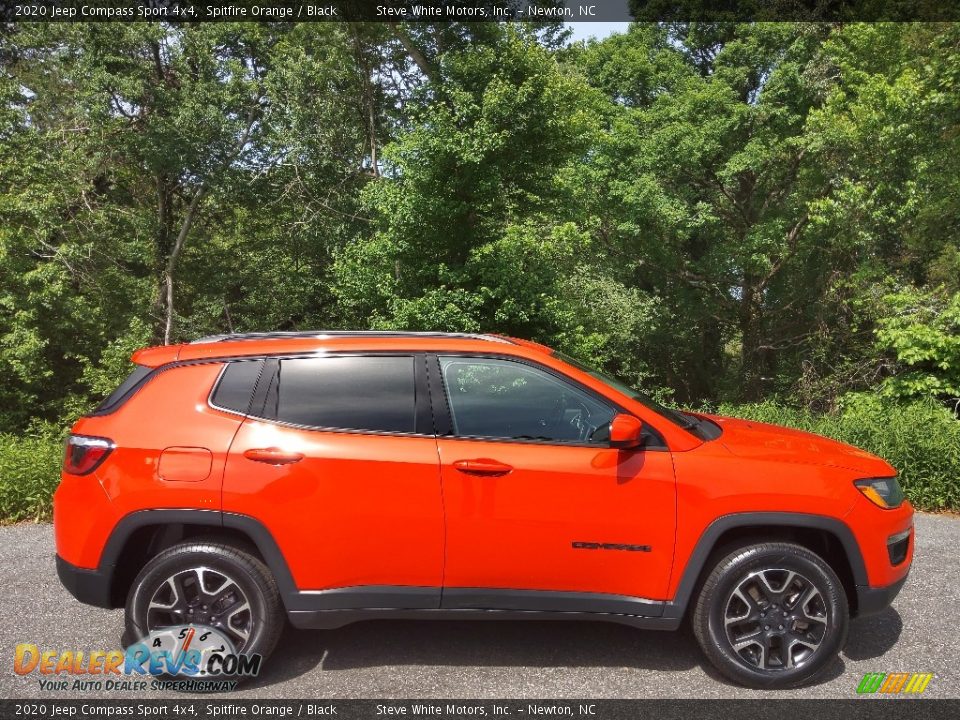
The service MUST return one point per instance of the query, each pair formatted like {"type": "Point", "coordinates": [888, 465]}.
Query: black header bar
{"type": "Point", "coordinates": [476, 10]}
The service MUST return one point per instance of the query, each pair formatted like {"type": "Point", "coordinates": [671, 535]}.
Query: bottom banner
{"type": "Point", "coordinates": [459, 709]}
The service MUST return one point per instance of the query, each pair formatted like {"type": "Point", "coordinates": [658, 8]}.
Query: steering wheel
{"type": "Point", "coordinates": [581, 421]}
{"type": "Point", "coordinates": [552, 425]}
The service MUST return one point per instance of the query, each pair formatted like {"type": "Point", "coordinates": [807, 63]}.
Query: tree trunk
{"type": "Point", "coordinates": [750, 318]}
{"type": "Point", "coordinates": [163, 242]}
{"type": "Point", "coordinates": [174, 256]}
{"type": "Point", "coordinates": [414, 52]}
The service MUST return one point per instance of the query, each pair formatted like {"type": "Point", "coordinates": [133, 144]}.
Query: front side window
{"type": "Point", "coordinates": [348, 393]}
{"type": "Point", "coordinates": [495, 398]}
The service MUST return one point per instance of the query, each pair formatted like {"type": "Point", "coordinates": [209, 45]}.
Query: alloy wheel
{"type": "Point", "coordinates": [202, 596]}
{"type": "Point", "coordinates": [775, 619]}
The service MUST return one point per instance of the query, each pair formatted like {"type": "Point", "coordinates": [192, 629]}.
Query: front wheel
{"type": "Point", "coordinates": [771, 615]}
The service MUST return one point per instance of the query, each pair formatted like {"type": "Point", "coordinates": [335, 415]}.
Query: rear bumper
{"type": "Point", "coordinates": [872, 600]}
{"type": "Point", "coordinates": [88, 586]}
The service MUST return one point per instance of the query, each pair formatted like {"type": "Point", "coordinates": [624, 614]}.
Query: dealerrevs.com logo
{"type": "Point", "coordinates": [181, 657]}
{"type": "Point", "coordinates": [894, 683]}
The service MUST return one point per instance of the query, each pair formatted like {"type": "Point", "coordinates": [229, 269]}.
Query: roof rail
{"type": "Point", "coordinates": [322, 334]}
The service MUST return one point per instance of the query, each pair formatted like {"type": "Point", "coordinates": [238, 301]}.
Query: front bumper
{"type": "Point", "coordinates": [872, 600]}
{"type": "Point", "coordinates": [88, 586]}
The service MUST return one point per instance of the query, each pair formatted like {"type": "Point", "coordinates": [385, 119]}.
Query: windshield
{"type": "Point", "coordinates": [687, 422]}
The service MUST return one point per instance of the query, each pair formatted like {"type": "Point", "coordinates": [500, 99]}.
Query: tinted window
{"type": "Point", "coordinates": [133, 379]}
{"type": "Point", "coordinates": [236, 385]}
{"type": "Point", "coordinates": [506, 399]}
{"type": "Point", "coordinates": [351, 393]}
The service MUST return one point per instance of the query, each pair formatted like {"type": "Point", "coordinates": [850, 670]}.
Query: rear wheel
{"type": "Point", "coordinates": [207, 584]}
{"type": "Point", "coordinates": [772, 615]}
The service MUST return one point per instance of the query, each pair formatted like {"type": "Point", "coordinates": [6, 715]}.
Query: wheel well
{"type": "Point", "coordinates": [822, 542]}
{"type": "Point", "coordinates": [148, 541]}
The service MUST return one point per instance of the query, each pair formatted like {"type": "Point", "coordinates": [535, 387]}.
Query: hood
{"type": "Point", "coordinates": [762, 441]}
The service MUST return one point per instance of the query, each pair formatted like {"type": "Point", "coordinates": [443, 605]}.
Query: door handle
{"type": "Point", "coordinates": [482, 466]}
{"type": "Point", "coordinates": [273, 456]}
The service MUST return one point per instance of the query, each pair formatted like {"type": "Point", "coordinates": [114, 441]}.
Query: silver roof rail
{"type": "Point", "coordinates": [323, 334]}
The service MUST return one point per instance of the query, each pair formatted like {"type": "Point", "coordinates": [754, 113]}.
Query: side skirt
{"type": "Point", "coordinates": [334, 608]}
{"type": "Point", "coordinates": [330, 619]}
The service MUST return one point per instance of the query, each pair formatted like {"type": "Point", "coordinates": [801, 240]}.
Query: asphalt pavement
{"type": "Point", "coordinates": [499, 659]}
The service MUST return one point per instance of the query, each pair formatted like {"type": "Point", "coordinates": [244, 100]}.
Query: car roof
{"type": "Point", "coordinates": [277, 343]}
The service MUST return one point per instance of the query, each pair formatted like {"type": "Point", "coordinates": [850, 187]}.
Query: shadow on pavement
{"type": "Point", "coordinates": [496, 643]}
{"type": "Point", "coordinates": [874, 635]}
{"type": "Point", "coordinates": [382, 643]}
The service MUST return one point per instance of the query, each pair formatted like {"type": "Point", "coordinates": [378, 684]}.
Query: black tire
{"type": "Point", "coordinates": [254, 580]}
{"type": "Point", "coordinates": [753, 598]}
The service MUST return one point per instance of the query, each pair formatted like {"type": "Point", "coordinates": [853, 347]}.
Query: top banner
{"type": "Point", "coordinates": [477, 10]}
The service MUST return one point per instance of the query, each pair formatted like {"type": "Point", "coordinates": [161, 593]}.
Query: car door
{"type": "Point", "coordinates": [541, 513]}
{"type": "Point", "coordinates": [338, 460]}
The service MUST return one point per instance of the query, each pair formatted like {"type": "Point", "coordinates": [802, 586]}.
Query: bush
{"type": "Point", "coordinates": [920, 438]}
{"type": "Point", "coordinates": [29, 473]}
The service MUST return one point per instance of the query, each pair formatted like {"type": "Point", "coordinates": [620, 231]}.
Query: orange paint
{"type": "Point", "coordinates": [358, 508]}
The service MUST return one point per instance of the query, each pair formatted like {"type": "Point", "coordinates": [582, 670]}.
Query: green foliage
{"type": "Point", "coordinates": [716, 212]}
{"type": "Point", "coordinates": [920, 438]}
{"type": "Point", "coordinates": [29, 473]}
{"type": "Point", "coordinates": [923, 331]}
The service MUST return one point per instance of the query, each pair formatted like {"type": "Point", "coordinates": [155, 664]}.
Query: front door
{"type": "Point", "coordinates": [539, 509]}
{"type": "Point", "coordinates": [341, 467]}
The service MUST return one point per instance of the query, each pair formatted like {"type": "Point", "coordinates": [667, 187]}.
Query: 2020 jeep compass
{"type": "Point", "coordinates": [331, 477]}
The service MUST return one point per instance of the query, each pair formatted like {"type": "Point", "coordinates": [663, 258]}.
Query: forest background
{"type": "Point", "coordinates": [758, 219]}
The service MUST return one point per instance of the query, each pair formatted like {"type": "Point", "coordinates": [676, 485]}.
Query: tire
{"type": "Point", "coordinates": [771, 615]}
{"type": "Point", "coordinates": [219, 564]}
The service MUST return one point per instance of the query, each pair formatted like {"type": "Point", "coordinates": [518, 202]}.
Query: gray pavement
{"type": "Point", "coordinates": [500, 659]}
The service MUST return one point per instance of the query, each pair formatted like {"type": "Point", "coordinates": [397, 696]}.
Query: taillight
{"type": "Point", "coordinates": [85, 453]}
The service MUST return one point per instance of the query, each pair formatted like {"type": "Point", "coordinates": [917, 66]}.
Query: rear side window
{"type": "Point", "coordinates": [114, 399]}
{"type": "Point", "coordinates": [236, 385]}
{"type": "Point", "coordinates": [374, 393]}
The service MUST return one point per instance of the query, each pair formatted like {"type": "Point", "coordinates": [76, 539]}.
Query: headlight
{"type": "Point", "coordinates": [883, 492]}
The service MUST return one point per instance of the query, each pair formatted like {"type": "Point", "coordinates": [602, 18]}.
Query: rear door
{"type": "Point", "coordinates": [338, 460]}
{"type": "Point", "coordinates": [536, 500]}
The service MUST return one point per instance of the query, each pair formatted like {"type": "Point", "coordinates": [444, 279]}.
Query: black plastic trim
{"type": "Point", "coordinates": [442, 421]}
{"type": "Point", "coordinates": [548, 601]}
{"type": "Point", "coordinates": [367, 597]}
{"type": "Point", "coordinates": [423, 422]}
{"type": "Point", "coordinates": [705, 545]}
{"type": "Point", "coordinates": [107, 409]}
{"type": "Point", "coordinates": [264, 384]}
{"type": "Point", "coordinates": [330, 619]}
{"type": "Point", "coordinates": [94, 587]}
{"type": "Point", "coordinates": [898, 547]}
{"type": "Point", "coordinates": [88, 586]}
{"type": "Point", "coordinates": [873, 600]}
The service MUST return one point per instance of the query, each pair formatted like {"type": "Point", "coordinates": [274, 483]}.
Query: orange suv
{"type": "Point", "coordinates": [330, 477]}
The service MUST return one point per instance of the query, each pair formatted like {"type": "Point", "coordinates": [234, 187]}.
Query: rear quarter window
{"type": "Point", "coordinates": [116, 398]}
{"type": "Point", "coordinates": [235, 387]}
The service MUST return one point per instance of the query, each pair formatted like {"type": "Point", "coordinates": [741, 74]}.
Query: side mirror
{"type": "Point", "coordinates": [625, 431]}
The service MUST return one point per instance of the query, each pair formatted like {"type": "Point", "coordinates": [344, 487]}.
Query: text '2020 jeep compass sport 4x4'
{"type": "Point", "coordinates": [331, 477]}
